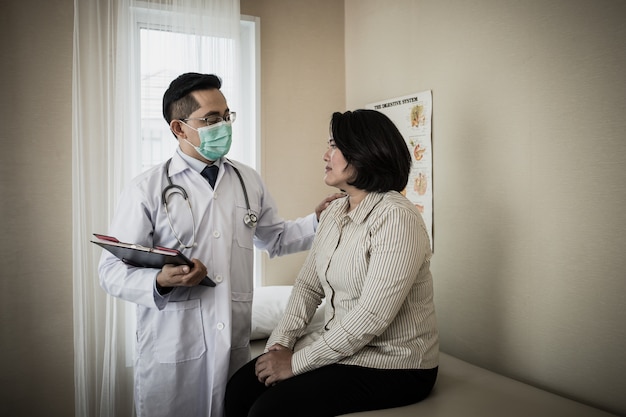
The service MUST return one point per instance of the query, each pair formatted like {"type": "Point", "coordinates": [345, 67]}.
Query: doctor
{"type": "Point", "coordinates": [191, 338]}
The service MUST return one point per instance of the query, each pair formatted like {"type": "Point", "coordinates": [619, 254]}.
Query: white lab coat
{"type": "Point", "coordinates": [191, 340]}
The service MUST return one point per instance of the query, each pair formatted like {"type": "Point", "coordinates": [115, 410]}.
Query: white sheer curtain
{"type": "Point", "coordinates": [107, 150]}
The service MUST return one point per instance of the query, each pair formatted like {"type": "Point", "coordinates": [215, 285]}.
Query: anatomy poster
{"type": "Point", "coordinates": [412, 115]}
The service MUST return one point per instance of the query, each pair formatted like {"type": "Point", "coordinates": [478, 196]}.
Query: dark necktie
{"type": "Point", "coordinates": [210, 173]}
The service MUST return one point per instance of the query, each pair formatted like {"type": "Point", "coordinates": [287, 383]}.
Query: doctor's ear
{"type": "Point", "coordinates": [176, 126]}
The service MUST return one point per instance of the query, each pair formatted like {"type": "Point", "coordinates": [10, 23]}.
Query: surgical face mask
{"type": "Point", "coordinates": [215, 140]}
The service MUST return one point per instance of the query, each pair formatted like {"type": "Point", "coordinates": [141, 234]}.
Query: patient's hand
{"type": "Point", "coordinates": [274, 366]}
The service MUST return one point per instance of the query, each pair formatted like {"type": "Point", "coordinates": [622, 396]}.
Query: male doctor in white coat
{"type": "Point", "coordinates": [190, 337]}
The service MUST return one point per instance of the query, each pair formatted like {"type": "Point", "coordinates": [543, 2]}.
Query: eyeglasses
{"type": "Point", "coordinates": [213, 119]}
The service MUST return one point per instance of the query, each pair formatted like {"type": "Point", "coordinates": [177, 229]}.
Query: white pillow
{"type": "Point", "coordinates": [268, 307]}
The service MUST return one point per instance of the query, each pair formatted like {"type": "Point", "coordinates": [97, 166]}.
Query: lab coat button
{"type": "Point", "coordinates": [219, 278]}
{"type": "Point", "coordinates": [216, 234]}
{"type": "Point", "coordinates": [220, 326]}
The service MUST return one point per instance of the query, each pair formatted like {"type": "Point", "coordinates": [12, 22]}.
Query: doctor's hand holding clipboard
{"type": "Point", "coordinates": [181, 276]}
{"type": "Point", "coordinates": [176, 269]}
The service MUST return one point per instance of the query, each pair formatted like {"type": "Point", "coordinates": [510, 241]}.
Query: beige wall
{"type": "Point", "coordinates": [529, 180]}
{"type": "Point", "coordinates": [302, 83]}
{"type": "Point", "coordinates": [36, 336]}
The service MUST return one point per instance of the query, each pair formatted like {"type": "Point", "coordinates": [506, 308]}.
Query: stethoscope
{"type": "Point", "coordinates": [249, 219]}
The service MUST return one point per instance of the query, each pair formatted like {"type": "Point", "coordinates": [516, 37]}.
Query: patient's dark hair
{"type": "Point", "coordinates": [177, 102]}
{"type": "Point", "coordinates": [373, 145]}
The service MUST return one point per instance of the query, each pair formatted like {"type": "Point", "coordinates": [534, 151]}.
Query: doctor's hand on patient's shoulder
{"type": "Point", "coordinates": [182, 275]}
{"type": "Point", "coordinates": [325, 202]}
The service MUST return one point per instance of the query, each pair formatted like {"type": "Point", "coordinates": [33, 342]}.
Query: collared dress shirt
{"type": "Point", "coordinates": [372, 265]}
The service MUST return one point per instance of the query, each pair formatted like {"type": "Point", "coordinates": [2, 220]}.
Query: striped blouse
{"type": "Point", "coordinates": [373, 267]}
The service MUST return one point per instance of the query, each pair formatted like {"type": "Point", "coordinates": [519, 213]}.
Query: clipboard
{"type": "Point", "coordinates": [142, 256]}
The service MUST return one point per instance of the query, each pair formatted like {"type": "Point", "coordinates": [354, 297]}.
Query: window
{"type": "Point", "coordinates": [157, 142]}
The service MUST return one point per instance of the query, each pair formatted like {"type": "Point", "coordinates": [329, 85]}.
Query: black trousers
{"type": "Point", "coordinates": [326, 392]}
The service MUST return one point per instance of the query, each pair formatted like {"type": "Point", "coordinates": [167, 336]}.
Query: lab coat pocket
{"type": "Point", "coordinates": [242, 319]}
{"type": "Point", "coordinates": [178, 332]}
{"type": "Point", "coordinates": [245, 234]}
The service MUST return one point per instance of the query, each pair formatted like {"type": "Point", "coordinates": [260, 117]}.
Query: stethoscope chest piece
{"type": "Point", "coordinates": [250, 219]}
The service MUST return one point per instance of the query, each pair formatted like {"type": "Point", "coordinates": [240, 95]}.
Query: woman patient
{"type": "Point", "coordinates": [370, 259]}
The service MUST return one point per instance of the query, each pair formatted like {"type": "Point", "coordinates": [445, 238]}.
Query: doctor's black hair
{"type": "Point", "coordinates": [373, 145]}
{"type": "Point", "coordinates": [177, 102]}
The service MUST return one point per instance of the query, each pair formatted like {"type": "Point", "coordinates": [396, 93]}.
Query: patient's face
{"type": "Point", "coordinates": [337, 170]}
